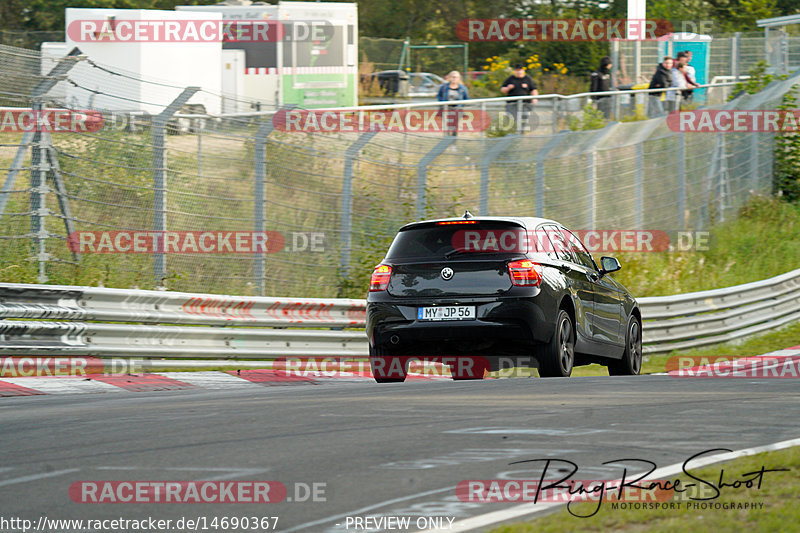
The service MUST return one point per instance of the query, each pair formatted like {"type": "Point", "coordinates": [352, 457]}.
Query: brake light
{"type": "Point", "coordinates": [525, 273]}
{"type": "Point", "coordinates": [380, 278]}
{"type": "Point", "coordinates": [451, 222]}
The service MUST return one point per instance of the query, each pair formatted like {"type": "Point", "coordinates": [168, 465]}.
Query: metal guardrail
{"type": "Point", "coordinates": [50, 319]}
{"type": "Point", "coordinates": [702, 318]}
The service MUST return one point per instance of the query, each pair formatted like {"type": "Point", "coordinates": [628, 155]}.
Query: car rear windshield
{"type": "Point", "coordinates": [447, 239]}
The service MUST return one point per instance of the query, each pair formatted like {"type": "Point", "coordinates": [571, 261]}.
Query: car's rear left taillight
{"type": "Point", "coordinates": [380, 278]}
{"type": "Point", "coordinates": [525, 273]}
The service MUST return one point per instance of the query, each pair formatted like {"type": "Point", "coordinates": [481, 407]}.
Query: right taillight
{"type": "Point", "coordinates": [380, 278]}
{"type": "Point", "coordinates": [525, 273]}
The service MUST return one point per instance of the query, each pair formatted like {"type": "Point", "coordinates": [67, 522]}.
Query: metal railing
{"type": "Point", "coordinates": [702, 318]}
{"type": "Point", "coordinates": [45, 320]}
{"type": "Point", "coordinates": [49, 319]}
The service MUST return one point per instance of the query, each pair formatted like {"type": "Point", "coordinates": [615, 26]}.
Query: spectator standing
{"type": "Point", "coordinates": [678, 73]}
{"type": "Point", "coordinates": [449, 92]}
{"type": "Point", "coordinates": [662, 79]}
{"type": "Point", "coordinates": [691, 82]}
{"type": "Point", "coordinates": [519, 84]}
{"type": "Point", "coordinates": [601, 82]}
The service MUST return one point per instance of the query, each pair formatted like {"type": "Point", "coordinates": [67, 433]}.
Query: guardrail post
{"type": "Point", "coordinates": [422, 174]}
{"type": "Point", "coordinates": [540, 160]}
{"type": "Point", "coordinates": [682, 218]}
{"type": "Point", "coordinates": [486, 163]}
{"type": "Point", "coordinates": [159, 178]}
{"type": "Point", "coordinates": [347, 200]}
{"type": "Point", "coordinates": [639, 191]}
{"type": "Point", "coordinates": [259, 198]}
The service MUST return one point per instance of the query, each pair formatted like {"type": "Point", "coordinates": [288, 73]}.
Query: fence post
{"type": "Point", "coordinates": [554, 114]}
{"type": "Point", "coordinates": [682, 219]}
{"type": "Point", "coordinates": [422, 174]}
{"type": "Point", "coordinates": [486, 162]}
{"type": "Point", "coordinates": [639, 191]}
{"type": "Point", "coordinates": [259, 198]}
{"type": "Point", "coordinates": [723, 177]}
{"type": "Point", "coordinates": [347, 200]}
{"type": "Point", "coordinates": [735, 48]}
{"type": "Point", "coordinates": [540, 160]}
{"type": "Point", "coordinates": [64, 65]}
{"type": "Point", "coordinates": [591, 173]}
{"type": "Point", "coordinates": [705, 219]}
{"type": "Point", "coordinates": [754, 162]}
{"type": "Point", "coordinates": [40, 166]}
{"type": "Point", "coordinates": [200, 151]}
{"type": "Point", "coordinates": [40, 162]}
{"type": "Point", "coordinates": [159, 178]}
{"type": "Point", "coordinates": [16, 166]}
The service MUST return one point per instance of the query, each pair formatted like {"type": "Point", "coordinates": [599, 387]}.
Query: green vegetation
{"type": "Point", "coordinates": [787, 153]}
{"type": "Point", "coordinates": [778, 493]}
{"type": "Point", "coordinates": [590, 119]}
{"type": "Point", "coordinates": [761, 243]}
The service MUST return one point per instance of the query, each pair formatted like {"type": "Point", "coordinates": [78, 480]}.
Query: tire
{"type": "Point", "coordinates": [558, 355]}
{"type": "Point", "coordinates": [386, 368]}
{"type": "Point", "coordinates": [631, 362]}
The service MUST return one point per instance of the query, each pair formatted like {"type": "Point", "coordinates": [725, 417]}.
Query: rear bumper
{"type": "Point", "coordinates": [502, 326]}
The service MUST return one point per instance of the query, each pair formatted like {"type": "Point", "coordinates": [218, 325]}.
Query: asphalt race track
{"type": "Point", "coordinates": [373, 450]}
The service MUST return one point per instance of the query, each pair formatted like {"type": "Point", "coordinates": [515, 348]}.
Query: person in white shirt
{"type": "Point", "coordinates": [678, 80]}
{"type": "Point", "coordinates": [685, 57]}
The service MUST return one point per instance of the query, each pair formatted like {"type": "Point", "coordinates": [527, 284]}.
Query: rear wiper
{"type": "Point", "coordinates": [456, 251]}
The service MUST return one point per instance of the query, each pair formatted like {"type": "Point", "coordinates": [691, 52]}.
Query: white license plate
{"type": "Point", "coordinates": [447, 312]}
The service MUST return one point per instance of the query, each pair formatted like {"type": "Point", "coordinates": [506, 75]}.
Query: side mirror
{"type": "Point", "coordinates": [608, 265]}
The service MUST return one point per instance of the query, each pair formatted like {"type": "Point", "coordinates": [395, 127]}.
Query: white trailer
{"type": "Point", "coordinates": [313, 64]}
{"type": "Point", "coordinates": [143, 74]}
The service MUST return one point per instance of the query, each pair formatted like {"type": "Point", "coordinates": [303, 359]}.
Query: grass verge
{"type": "Point", "coordinates": [778, 494]}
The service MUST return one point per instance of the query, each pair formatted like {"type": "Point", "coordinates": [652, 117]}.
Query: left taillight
{"type": "Point", "coordinates": [380, 278]}
{"type": "Point", "coordinates": [525, 273]}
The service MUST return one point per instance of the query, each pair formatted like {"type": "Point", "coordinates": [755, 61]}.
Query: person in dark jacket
{"type": "Point", "coordinates": [520, 84]}
{"type": "Point", "coordinates": [662, 79]}
{"type": "Point", "coordinates": [601, 82]}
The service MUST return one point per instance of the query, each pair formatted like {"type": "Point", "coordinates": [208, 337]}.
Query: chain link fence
{"type": "Point", "coordinates": [728, 55]}
{"type": "Point", "coordinates": [329, 203]}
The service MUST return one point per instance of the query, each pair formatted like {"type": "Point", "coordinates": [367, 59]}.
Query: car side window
{"type": "Point", "coordinates": [579, 250]}
{"type": "Point", "coordinates": [556, 245]}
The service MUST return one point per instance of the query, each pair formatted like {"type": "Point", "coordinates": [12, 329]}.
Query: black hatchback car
{"type": "Point", "coordinates": [482, 293]}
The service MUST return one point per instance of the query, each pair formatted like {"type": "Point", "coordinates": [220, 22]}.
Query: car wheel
{"type": "Point", "coordinates": [559, 354]}
{"type": "Point", "coordinates": [386, 368]}
{"type": "Point", "coordinates": [631, 362]}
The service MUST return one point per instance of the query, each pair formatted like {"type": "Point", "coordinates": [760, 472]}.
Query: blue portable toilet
{"type": "Point", "coordinates": [698, 45]}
